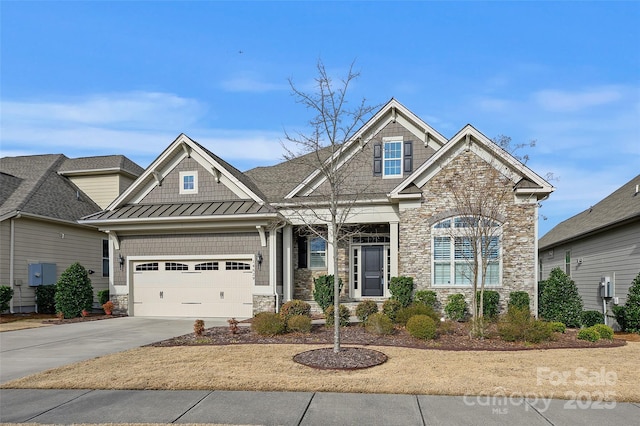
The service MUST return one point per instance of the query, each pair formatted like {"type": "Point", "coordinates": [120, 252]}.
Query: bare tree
{"type": "Point", "coordinates": [326, 212]}
{"type": "Point", "coordinates": [481, 194]}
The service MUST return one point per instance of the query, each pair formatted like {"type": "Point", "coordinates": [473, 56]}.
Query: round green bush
{"type": "Point", "coordinates": [366, 308]}
{"type": "Point", "coordinates": [74, 291]}
{"type": "Point", "coordinates": [426, 297]}
{"type": "Point", "coordinates": [404, 314]}
{"type": "Point", "coordinates": [538, 331]}
{"type": "Point", "coordinates": [299, 324]}
{"type": "Point", "coordinates": [456, 308]}
{"type": "Point", "coordinates": [422, 327]}
{"type": "Point", "coordinates": [379, 323]}
{"type": "Point", "coordinates": [557, 327]}
{"type": "Point", "coordinates": [390, 308]}
{"type": "Point", "coordinates": [268, 324]}
{"type": "Point", "coordinates": [560, 300]}
{"type": "Point", "coordinates": [631, 310]}
{"type": "Point", "coordinates": [344, 316]}
{"type": "Point", "coordinates": [294, 307]}
{"type": "Point", "coordinates": [589, 318]}
{"type": "Point", "coordinates": [589, 334]}
{"type": "Point", "coordinates": [604, 331]}
{"type": "Point", "coordinates": [6, 293]}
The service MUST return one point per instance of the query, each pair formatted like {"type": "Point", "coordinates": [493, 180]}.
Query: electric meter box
{"type": "Point", "coordinates": [606, 287]}
{"type": "Point", "coordinates": [42, 274]}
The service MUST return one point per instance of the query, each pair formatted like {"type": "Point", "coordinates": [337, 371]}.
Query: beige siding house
{"type": "Point", "coordinates": [600, 244]}
{"type": "Point", "coordinates": [194, 236]}
{"type": "Point", "coordinates": [39, 233]}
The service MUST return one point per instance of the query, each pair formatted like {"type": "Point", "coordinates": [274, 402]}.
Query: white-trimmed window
{"type": "Point", "coordinates": [317, 253]}
{"type": "Point", "coordinates": [453, 254]}
{"type": "Point", "coordinates": [189, 182]}
{"type": "Point", "coordinates": [392, 158]}
{"type": "Point", "coordinates": [105, 258]}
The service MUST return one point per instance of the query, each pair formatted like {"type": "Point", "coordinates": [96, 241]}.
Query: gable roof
{"type": "Point", "coordinates": [393, 111]}
{"type": "Point", "coordinates": [183, 147]}
{"type": "Point", "coordinates": [99, 165]}
{"type": "Point", "coordinates": [526, 181]}
{"type": "Point", "coordinates": [32, 186]}
{"type": "Point", "coordinates": [619, 207]}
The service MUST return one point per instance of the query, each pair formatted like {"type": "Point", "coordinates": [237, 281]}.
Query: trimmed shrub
{"type": "Point", "coordinates": [103, 297]}
{"type": "Point", "coordinates": [405, 314]}
{"type": "Point", "coordinates": [557, 327]}
{"type": "Point", "coordinates": [604, 331]}
{"type": "Point", "coordinates": [490, 302]}
{"type": "Point", "coordinates": [299, 324]}
{"type": "Point", "coordinates": [344, 316]}
{"type": "Point", "coordinates": [422, 327]}
{"type": "Point", "coordinates": [632, 307]}
{"type": "Point", "coordinates": [6, 293]}
{"type": "Point", "coordinates": [589, 334]}
{"type": "Point", "coordinates": [518, 299]}
{"type": "Point", "coordinates": [323, 290]}
{"type": "Point", "coordinates": [560, 300]}
{"type": "Point", "coordinates": [589, 318]}
{"type": "Point", "coordinates": [46, 299]}
{"type": "Point", "coordinates": [518, 325]}
{"type": "Point", "coordinates": [74, 291]}
{"type": "Point", "coordinates": [456, 308]}
{"type": "Point", "coordinates": [426, 297]}
{"type": "Point", "coordinates": [390, 308]}
{"type": "Point", "coordinates": [620, 313]}
{"type": "Point", "coordinates": [366, 308]}
{"type": "Point", "coordinates": [268, 324]}
{"type": "Point", "coordinates": [379, 323]}
{"type": "Point", "coordinates": [198, 327]}
{"type": "Point", "coordinates": [401, 289]}
{"type": "Point", "coordinates": [294, 307]}
{"type": "Point", "coordinates": [447, 327]}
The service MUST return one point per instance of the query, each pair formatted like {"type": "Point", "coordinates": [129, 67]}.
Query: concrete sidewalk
{"type": "Point", "coordinates": [297, 408]}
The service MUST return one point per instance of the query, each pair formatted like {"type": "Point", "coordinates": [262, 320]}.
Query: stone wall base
{"type": "Point", "coordinates": [264, 303]}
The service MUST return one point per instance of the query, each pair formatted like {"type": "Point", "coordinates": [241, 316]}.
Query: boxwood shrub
{"type": "Point", "coordinates": [589, 334]}
{"type": "Point", "coordinates": [365, 309]}
{"type": "Point", "coordinates": [405, 314]}
{"type": "Point", "coordinates": [401, 289]}
{"type": "Point", "coordinates": [344, 314]}
{"type": "Point", "coordinates": [379, 323]}
{"type": "Point", "coordinates": [293, 308]}
{"type": "Point", "coordinates": [6, 293]}
{"type": "Point", "coordinates": [390, 308]}
{"type": "Point", "coordinates": [604, 331]}
{"type": "Point", "coordinates": [422, 327]}
{"type": "Point", "coordinates": [426, 297]}
{"type": "Point", "coordinates": [518, 299]}
{"type": "Point", "coordinates": [268, 324]}
{"type": "Point", "coordinates": [589, 318]}
{"type": "Point", "coordinates": [490, 302]}
{"type": "Point", "coordinates": [46, 299]}
{"type": "Point", "coordinates": [299, 324]}
{"type": "Point", "coordinates": [456, 308]}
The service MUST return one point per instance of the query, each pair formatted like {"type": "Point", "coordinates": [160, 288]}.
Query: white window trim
{"type": "Point", "coordinates": [195, 182]}
{"type": "Point", "coordinates": [386, 140]}
{"type": "Point", "coordinates": [326, 253]}
{"type": "Point", "coordinates": [447, 232]}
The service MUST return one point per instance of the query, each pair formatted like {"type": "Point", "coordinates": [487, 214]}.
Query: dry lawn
{"type": "Point", "coordinates": [610, 373]}
{"type": "Point", "coordinates": [22, 324]}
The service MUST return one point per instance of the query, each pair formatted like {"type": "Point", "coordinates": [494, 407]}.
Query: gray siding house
{"type": "Point", "coordinates": [194, 236]}
{"type": "Point", "coordinates": [41, 199]}
{"type": "Point", "coordinates": [601, 242]}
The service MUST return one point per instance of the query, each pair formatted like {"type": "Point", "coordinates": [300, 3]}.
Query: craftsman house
{"type": "Point", "coordinates": [193, 236]}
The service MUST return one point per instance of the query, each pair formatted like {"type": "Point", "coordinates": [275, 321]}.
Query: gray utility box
{"type": "Point", "coordinates": [606, 287]}
{"type": "Point", "coordinates": [42, 274]}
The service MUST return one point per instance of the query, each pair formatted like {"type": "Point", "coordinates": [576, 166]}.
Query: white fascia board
{"type": "Point", "coordinates": [406, 196]}
{"type": "Point", "coordinates": [153, 183]}
{"type": "Point", "coordinates": [186, 219]}
{"type": "Point", "coordinates": [306, 204]}
{"type": "Point", "coordinates": [357, 215]}
{"type": "Point", "coordinates": [226, 178]}
{"type": "Point", "coordinates": [163, 228]}
{"type": "Point", "coordinates": [148, 173]}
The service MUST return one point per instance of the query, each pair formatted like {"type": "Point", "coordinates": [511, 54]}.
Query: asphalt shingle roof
{"type": "Point", "coordinates": [103, 162]}
{"type": "Point", "coordinates": [34, 186]}
{"type": "Point", "coordinates": [622, 205]}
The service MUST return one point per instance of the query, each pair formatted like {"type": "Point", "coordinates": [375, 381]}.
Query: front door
{"type": "Point", "coordinates": [373, 277]}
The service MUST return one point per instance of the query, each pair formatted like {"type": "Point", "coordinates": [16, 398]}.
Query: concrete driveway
{"type": "Point", "coordinates": [24, 352]}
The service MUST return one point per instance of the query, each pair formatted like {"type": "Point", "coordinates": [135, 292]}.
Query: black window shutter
{"type": "Point", "coordinates": [302, 252]}
{"type": "Point", "coordinates": [377, 159]}
{"type": "Point", "coordinates": [408, 156]}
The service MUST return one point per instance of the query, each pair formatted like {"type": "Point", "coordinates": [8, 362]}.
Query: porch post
{"type": "Point", "coordinates": [394, 230]}
{"type": "Point", "coordinates": [330, 249]}
{"type": "Point", "coordinates": [287, 263]}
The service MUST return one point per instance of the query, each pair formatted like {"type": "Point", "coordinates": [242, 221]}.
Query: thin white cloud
{"type": "Point", "coordinates": [565, 101]}
{"type": "Point", "coordinates": [138, 124]}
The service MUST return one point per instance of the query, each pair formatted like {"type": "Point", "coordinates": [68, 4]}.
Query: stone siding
{"type": "Point", "coordinates": [263, 303]}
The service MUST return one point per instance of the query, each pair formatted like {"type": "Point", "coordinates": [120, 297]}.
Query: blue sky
{"type": "Point", "coordinates": [98, 78]}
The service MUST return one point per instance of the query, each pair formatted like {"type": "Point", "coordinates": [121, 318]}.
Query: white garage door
{"type": "Point", "coordinates": [201, 288]}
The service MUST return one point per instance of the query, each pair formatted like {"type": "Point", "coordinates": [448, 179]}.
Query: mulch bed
{"type": "Point", "coordinates": [345, 359]}
{"type": "Point", "coordinates": [457, 340]}
{"type": "Point", "coordinates": [52, 319]}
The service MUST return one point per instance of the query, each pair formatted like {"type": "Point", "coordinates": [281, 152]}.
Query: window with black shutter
{"type": "Point", "coordinates": [377, 159]}
{"type": "Point", "coordinates": [302, 252]}
{"type": "Point", "coordinates": [408, 156]}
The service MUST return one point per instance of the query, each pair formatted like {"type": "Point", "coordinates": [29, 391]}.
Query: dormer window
{"type": "Point", "coordinates": [392, 158]}
{"type": "Point", "coordinates": [188, 182]}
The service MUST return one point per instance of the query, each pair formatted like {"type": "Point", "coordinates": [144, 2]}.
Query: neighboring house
{"type": "Point", "coordinates": [194, 236]}
{"type": "Point", "coordinates": [601, 242]}
{"type": "Point", "coordinates": [41, 199]}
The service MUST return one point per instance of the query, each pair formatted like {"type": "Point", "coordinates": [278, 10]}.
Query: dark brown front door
{"type": "Point", "coordinates": [373, 278]}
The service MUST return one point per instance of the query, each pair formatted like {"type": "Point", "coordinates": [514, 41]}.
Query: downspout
{"type": "Point", "coordinates": [11, 260]}
{"type": "Point", "coordinates": [536, 264]}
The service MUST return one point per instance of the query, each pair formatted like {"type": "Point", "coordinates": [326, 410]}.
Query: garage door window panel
{"type": "Point", "coordinates": [237, 266]}
{"type": "Point", "coordinates": [207, 266]}
{"type": "Point", "coordinates": [147, 267]}
{"type": "Point", "coordinates": [175, 266]}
